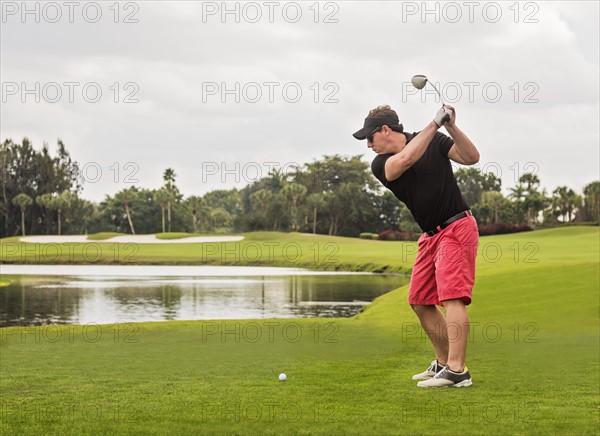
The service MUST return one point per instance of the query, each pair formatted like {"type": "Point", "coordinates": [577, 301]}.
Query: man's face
{"type": "Point", "coordinates": [376, 140]}
{"type": "Point", "coordinates": [383, 140]}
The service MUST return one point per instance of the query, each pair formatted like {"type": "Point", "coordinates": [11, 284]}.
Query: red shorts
{"type": "Point", "coordinates": [445, 264]}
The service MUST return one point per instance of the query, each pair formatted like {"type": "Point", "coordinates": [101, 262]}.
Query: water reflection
{"type": "Point", "coordinates": [113, 299]}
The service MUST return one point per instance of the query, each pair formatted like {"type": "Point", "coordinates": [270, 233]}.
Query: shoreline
{"type": "Point", "coordinates": [166, 271]}
{"type": "Point", "coordinates": [126, 239]}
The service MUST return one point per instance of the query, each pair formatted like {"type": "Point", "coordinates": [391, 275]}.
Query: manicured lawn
{"type": "Point", "coordinates": [177, 235]}
{"type": "Point", "coordinates": [534, 358]}
{"type": "Point", "coordinates": [311, 251]}
{"type": "Point", "coordinates": [259, 248]}
{"type": "Point", "coordinates": [104, 235]}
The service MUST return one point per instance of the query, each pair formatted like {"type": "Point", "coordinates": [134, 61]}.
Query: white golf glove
{"type": "Point", "coordinates": [443, 115]}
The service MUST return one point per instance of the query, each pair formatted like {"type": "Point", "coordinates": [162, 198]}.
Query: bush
{"type": "Point", "coordinates": [397, 235]}
{"type": "Point", "coordinates": [546, 225]}
{"type": "Point", "coordinates": [369, 236]}
{"type": "Point", "coordinates": [501, 229]}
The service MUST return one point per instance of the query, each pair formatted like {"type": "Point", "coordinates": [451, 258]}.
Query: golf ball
{"type": "Point", "coordinates": [282, 376]}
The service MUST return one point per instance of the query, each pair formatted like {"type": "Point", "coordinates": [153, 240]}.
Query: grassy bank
{"type": "Point", "coordinates": [259, 248]}
{"type": "Point", "coordinates": [533, 355]}
{"type": "Point", "coordinates": [104, 235]}
{"type": "Point", "coordinates": [179, 235]}
{"type": "Point", "coordinates": [318, 252]}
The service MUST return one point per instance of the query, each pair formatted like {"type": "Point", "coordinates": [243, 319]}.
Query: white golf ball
{"type": "Point", "coordinates": [282, 376]}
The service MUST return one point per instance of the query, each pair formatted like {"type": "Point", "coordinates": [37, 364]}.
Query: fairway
{"type": "Point", "coordinates": [533, 355]}
{"type": "Point", "coordinates": [213, 216]}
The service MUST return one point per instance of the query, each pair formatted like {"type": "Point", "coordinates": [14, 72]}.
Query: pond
{"type": "Point", "coordinates": [73, 294]}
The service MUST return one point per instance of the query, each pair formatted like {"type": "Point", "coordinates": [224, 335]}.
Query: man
{"type": "Point", "coordinates": [416, 168]}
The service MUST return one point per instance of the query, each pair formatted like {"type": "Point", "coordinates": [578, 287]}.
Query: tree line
{"type": "Point", "coordinates": [336, 195]}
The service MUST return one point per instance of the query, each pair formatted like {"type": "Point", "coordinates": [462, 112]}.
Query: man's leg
{"type": "Point", "coordinates": [454, 374]}
{"type": "Point", "coordinates": [434, 324]}
{"type": "Point", "coordinates": [457, 322]}
{"type": "Point", "coordinates": [455, 275]}
{"type": "Point", "coordinates": [423, 297]}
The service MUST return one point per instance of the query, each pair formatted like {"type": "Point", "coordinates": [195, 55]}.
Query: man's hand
{"type": "Point", "coordinates": [463, 151]}
{"type": "Point", "coordinates": [443, 115]}
{"type": "Point", "coordinates": [452, 121]}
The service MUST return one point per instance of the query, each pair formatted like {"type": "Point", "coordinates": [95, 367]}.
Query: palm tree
{"type": "Point", "coordinates": [61, 203]}
{"type": "Point", "coordinates": [260, 201]}
{"type": "Point", "coordinates": [315, 202]}
{"type": "Point", "coordinates": [518, 195]}
{"type": "Point", "coordinates": [275, 179]}
{"type": "Point", "coordinates": [261, 198]}
{"type": "Point", "coordinates": [564, 201]}
{"type": "Point", "coordinates": [534, 203]}
{"type": "Point", "coordinates": [518, 192]}
{"type": "Point", "coordinates": [495, 201]}
{"type": "Point", "coordinates": [334, 208]}
{"type": "Point", "coordinates": [126, 196]}
{"type": "Point", "coordinates": [294, 192]}
{"type": "Point", "coordinates": [200, 210]}
{"type": "Point", "coordinates": [572, 201]}
{"type": "Point", "coordinates": [3, 182]}
{"type": "Point", "coordinates": [45, 201]}
{"type": "Point", "coordinates": [220, 217]}
{"type": "Point", "coordinates": [169, 178]}
{"type": "Point", "coordinates": [23, 201]}
{"type": "Point", "coordinates": [591, 201]}
{"type": "Point", "coordinates": [162, 197]}
{"type": "Point", "coordinates": [531, 180]}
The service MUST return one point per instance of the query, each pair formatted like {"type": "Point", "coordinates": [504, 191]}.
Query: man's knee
{"type": "Point", "coordinates": [422, 309]}
{"type": "Point", "coordinates": [455, 303]}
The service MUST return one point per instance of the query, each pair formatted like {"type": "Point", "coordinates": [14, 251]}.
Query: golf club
{"type": "Point", "coordinates": [419, 82]}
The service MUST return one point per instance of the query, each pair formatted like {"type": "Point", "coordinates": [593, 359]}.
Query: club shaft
{"type": "Point", "coordinates": [438, 92]}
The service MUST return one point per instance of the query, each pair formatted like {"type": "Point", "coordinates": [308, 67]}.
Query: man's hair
{"type": "Point", "coordinates": [387, 111]}
{"type": "Point", "coordinates": [382, 111]}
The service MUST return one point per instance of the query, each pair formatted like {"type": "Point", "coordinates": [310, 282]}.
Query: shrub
{"type": "Point", "coordinates": [397, 235]}
{"type": "Point", "coordinates": [367, 235]}
{"type": "Point", "coordinates": [500, 229]}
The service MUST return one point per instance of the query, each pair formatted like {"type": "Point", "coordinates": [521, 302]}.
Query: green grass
{"type": "Point", "coordinates": [303, 250]}
{"type": "Point", "coordinates": [178, 235]}
{"type": "Point", "coordinates": [533, 354]}
{"type": "Point", "coordinates": [104, 235]}
{"type": "Point", "coordinates": [258, 248]}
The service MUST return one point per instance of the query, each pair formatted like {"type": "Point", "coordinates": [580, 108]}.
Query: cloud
{"type": "Point", "coordinates": [212, 91]}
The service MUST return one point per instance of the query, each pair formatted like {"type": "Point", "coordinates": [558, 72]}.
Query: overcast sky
{"type": "Point", "coordinates": [222, 95]}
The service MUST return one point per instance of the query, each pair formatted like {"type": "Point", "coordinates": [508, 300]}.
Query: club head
{"type": "Point", "coordinates": [419, 81]}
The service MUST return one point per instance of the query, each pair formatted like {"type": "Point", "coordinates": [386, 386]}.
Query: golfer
{"type": "Point", "coordinates": [416, 168]}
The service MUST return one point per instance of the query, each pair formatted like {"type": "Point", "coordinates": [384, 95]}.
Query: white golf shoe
{"type": "Point", "coordinates": [433, 369]}
{"type": "Point", "coordinates": [447, 378]}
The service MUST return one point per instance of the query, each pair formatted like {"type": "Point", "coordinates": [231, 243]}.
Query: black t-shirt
{"type": "Point", "coordinates": [428, 188]}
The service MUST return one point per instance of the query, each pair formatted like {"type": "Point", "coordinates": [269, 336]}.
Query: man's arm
{"type": "Point", "coordinates": [396, 165]}
{"type": "Point", "coordinates": [463, 151]}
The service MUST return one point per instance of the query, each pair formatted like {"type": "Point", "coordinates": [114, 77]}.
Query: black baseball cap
{"type": "Point", "coordinates": [371, 123]}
